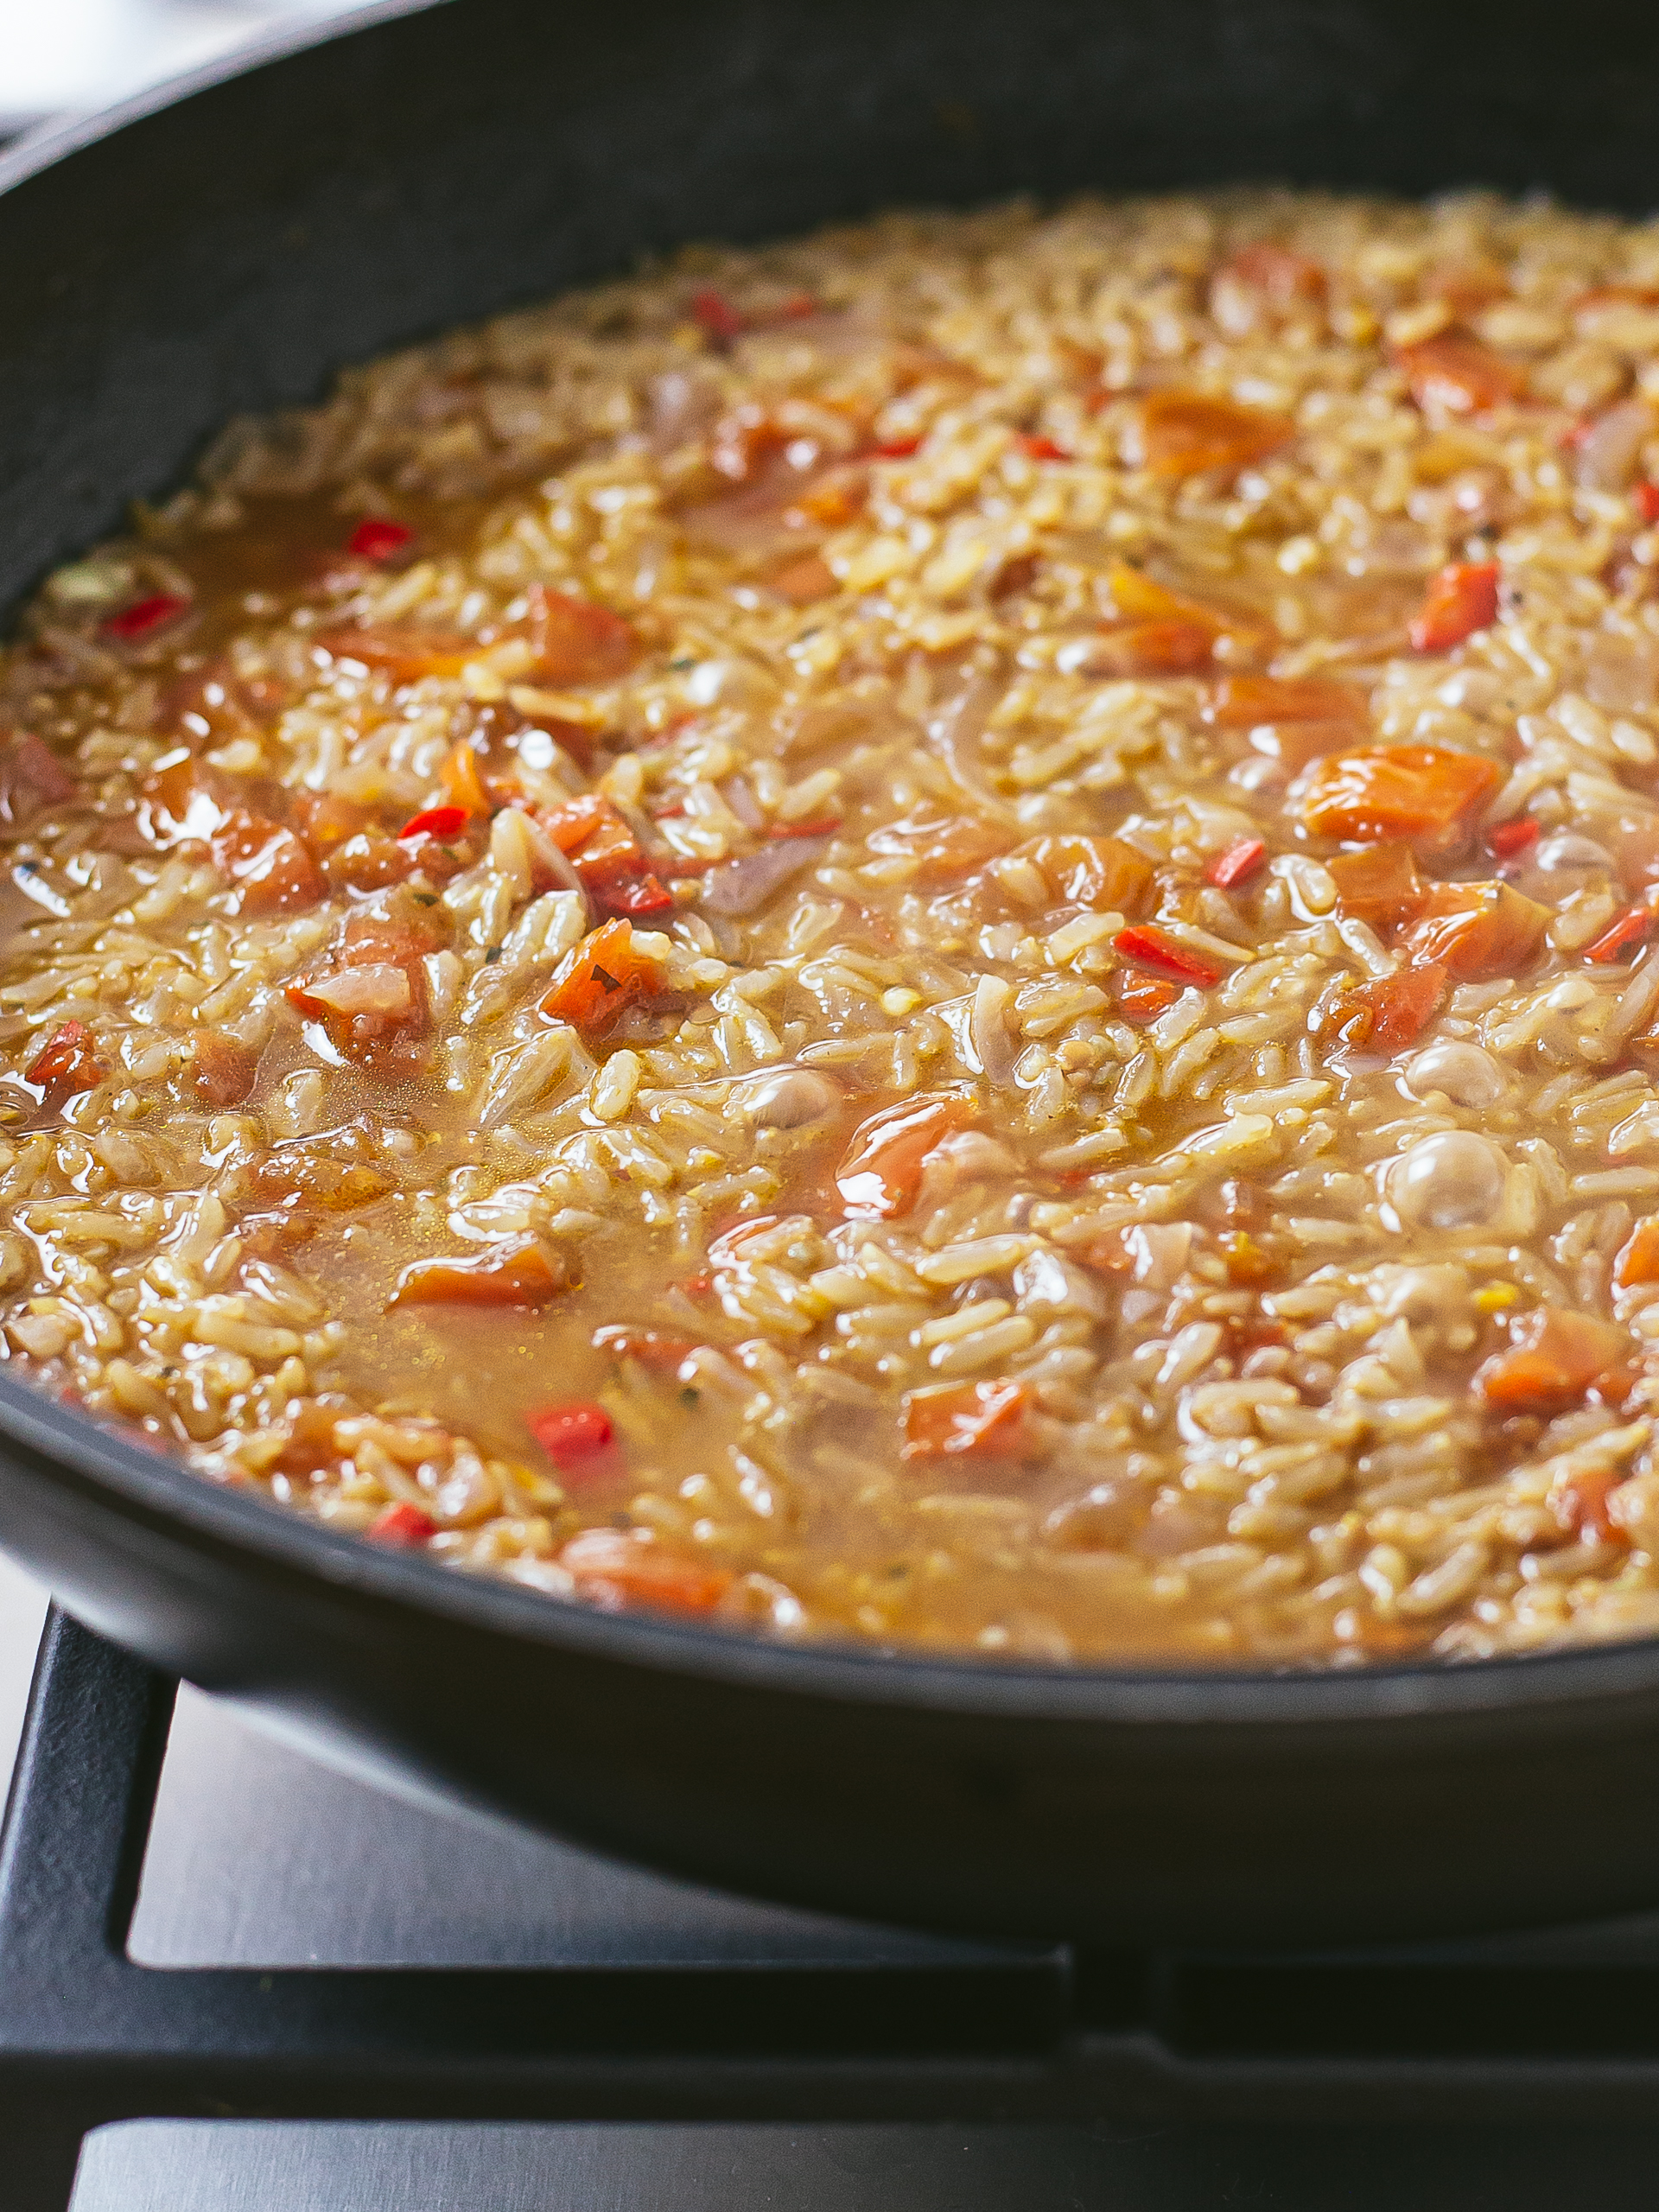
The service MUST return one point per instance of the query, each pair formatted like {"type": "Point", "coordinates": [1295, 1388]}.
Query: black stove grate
{"type": "Point", "coordinates": [1479, 2032]}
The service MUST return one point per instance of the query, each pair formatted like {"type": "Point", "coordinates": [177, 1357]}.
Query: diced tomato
{"type": "Point", "coordinates": [1379, 886]}
{"type": "Point", "coordinates": [436, 822]}
{"type": "Point", "coordinates": [1455, 375]}
{"type": "Point", "coordinates": [221, 1070]}
{"type": "Point", "coordinates": [1188, 433]}
{"type": "Point", "coordinates": [404, 655]}
{"type": "Point", "coordinates": [1278, 272]}
{"type": "Point", "coordinates": [1384, 1014]}
{"type": "Point", "coordinates": [146, 616]}
{"type": "Point", "coordinates": [608, 856]}
{"type": "Point", "coordinates": [1241, 701]}
{"type": "Point", "coordinates": [1237, 864]}
{"type": "Point", "coordinates": [1646, 496]}
{"type": "Point", "coordinates": [1505, 839]}
{"type": "Point", "coordinates": [403, 1524]}
{"type": "Point", "coordinates": [1461, 598]}
{"type": "Point", "coordinates": [1580, 1502]}
{"type": "Point", "coordinates": [1104, 873]}
{"type": "Point", "coordinates": [66, 1063]}
{"type": "Point", "coordinates": [617, 1567]}
{"type": "Point", "coordinates": [986, 1421]}
{"type": "Point", "coordinates": [574, 1428]}
{"type": "Point", "coordinates": [377, 539]}
{"type": "Point", "coordinates": [1631, 928]}
{"type": "Point", "coordinates": [1143, 998]}
{"type": "Point", "coordinates": [1418, 793]}
{"type": "Point", "coordinates": [1165, 955]}
{"type": "Point", "coordinates": [600, 976]}
{"type": "Point", "coordinates": [1554, 1356]}
{"type": "Point", "coordinates": [1174, 646]}
{"type": "Point", "coordinates": [715, 315]}
{"type": "Point", "coordinates": [269, 868]}
{"type": "Point", "coordinates": [1042, 449]}
{"type": "Point", "coordinates": [520, 1273]}
{"type": "Point", "coordinates": [942, 847]}
{"type": "Point", "coordinates": [577, 641]}
{"type": "Point", "coordinates": [880, 1170]}
{"type": "Point", "coordinates": [1638, 1256]}
{"type": "Point", "coordinates": [1478, 930]}
{"type": "Point", "coordinates": [382, 1025]}
{"type": "Point", "coordinates": [651, 1347]}
{"type": "Point", "coordinates": [638, 895]}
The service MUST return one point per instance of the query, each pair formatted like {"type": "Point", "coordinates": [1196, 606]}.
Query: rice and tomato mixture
{"type": "Point", "coordinates": [942, 933]}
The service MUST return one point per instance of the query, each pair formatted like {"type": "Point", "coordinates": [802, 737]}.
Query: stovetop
{"type": "Point", "coordinates": [684, 2052]}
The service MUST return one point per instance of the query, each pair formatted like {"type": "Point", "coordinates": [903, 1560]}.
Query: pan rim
{"type": "Point", "coordinates": [155, 1488]}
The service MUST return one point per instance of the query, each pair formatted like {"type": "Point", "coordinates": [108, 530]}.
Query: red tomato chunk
{"type": "Point", "coordinates": [984, 1421]}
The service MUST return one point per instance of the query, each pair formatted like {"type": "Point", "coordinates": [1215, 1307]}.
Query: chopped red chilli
{"type": "Point", "coordinates": [145, 615]}
{"type": "Point", "coordinates": [377, 539]}
{"type": "Point", "coordinates": [1506, 839]}
{"type": "Point", "coordinates": [575, 1429]}
{"type": "Point", "coordinates": [1237, 864]}
{"type": "Point", "coordinates": [1165, 955]}
{"type": "Point", "coordinates": [402, 1523]}
{"type": "Point", "coordinates": [1631, 927]}
{"type": "Point", "coordinates": [440, 822]}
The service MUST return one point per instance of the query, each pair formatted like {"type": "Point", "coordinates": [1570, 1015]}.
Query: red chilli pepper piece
{"type": "Point", "coordinates": [1506, 839]}
{"type": "Point", "coordinates": [575, 1429]}
{"type": "Point", "coordinates": [1630, 929]}
{"type": "Point", "coordinates": [715, 315]}
{"type": "Point", "coordinates": [377, 539]}
{"type": "Point", "coordinates": [1037, 449]}
{"type": "Point", "coordinates": [896, 450]}
{"type": "Point", "coordinates": [145, 615]}
{"type": "Point", "coordinates": [1646, 496]}
{"type": "Point", "coordinates": [1460, 599]}
{"type": "Point", "coordinates": [634, 895]}
{"type": "Point", "coordinates": [1237, 864]}
{"type": "Point", "coordinates": [1151, 947]}
{"type": "Point", "coordinates": [436, 822]}
{"type": "Point", "coordinates": [403, 1524]}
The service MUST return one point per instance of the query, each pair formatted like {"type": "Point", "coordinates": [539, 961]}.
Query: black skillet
{"type": "Point", "coordinates": [228, 248]}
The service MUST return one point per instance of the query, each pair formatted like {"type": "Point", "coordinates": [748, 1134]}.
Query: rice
{"type": "Point", "coordinates": [1020, 1183]}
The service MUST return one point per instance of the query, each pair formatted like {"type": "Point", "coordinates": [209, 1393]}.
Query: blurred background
{"type": "Point", "coordinates": [66, 57]}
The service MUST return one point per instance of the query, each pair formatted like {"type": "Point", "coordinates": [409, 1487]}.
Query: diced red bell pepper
{"type": "Point", "coordinates": [896, 450]}
{"type": "Point", "coordinates": [1555, 1356]}
{"type": "Point", "coordinates": [1461, 598]}
{"type": "Point", "coordinates": [440, 822]}
{"type": "Point", "coordinates": [66, 1063]}
{"type": "Point", "coordinates": [1385, 1014]}
{"type": "Point", "coordinates": [571, 1429]}
{"type": "Point", "coordinates": [403, 1524]}
{"type": "Point", "coordinates": [518, 1274]}
{"type": "Point", "coordinates": [986, 1421]}
{"type": "Point", "coordinates": [880, 1170]}
{"type": "Point", "coordinates": [1646, 496]}
{"type": "Point", "coordinates": [1038, 449]}
{"type": "Point", "coordinates": [377, 539]}
{"type": "Point", "coordinates": [145, 615]}
{"type": "Point", "coordinates": [715, 315]}
{"type": "Point", "coordinates": [1237, 864]}
{"type": "Point", "coordinates": [1631, 928]}
{"type": "Point", "coordinates": [1154, 948]}
{"type": "Point", "coordinates": [1505, 839]}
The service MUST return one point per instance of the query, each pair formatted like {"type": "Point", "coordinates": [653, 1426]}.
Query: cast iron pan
{"type": "Point", "coordinates": [228, 247]}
